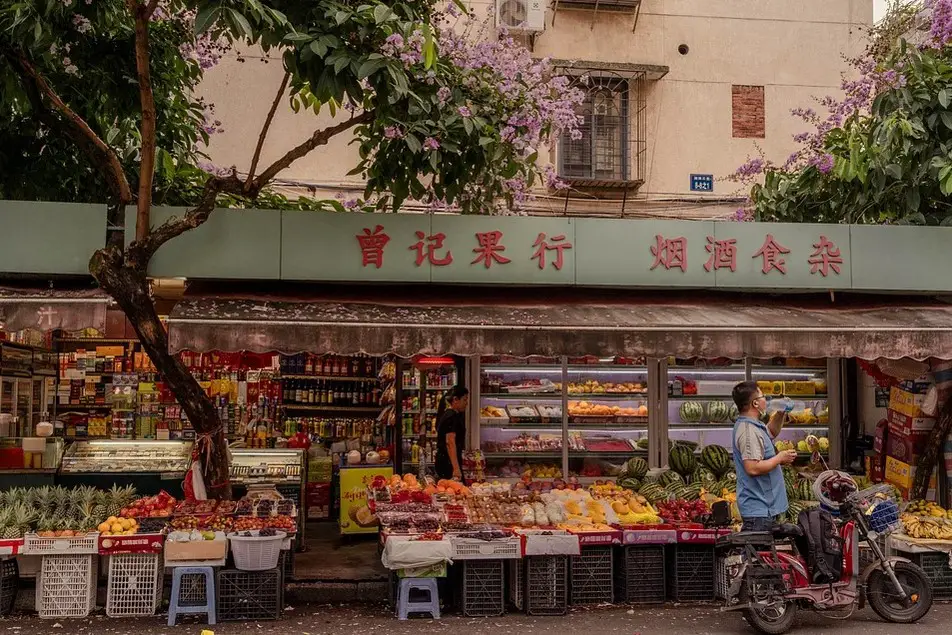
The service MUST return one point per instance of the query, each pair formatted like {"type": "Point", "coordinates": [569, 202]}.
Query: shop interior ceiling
{"type": "Point", "coordinates": [408, 320]}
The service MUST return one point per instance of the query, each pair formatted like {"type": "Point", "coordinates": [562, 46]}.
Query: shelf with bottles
{"type": "Point", "coordinates": [437, 379]}
{"type": "Point", "coordinates": [297, 393]}
{"type": "Point", "coordinates": [336, 367]}
{"type": "Point", "coordinates": [334, 428]}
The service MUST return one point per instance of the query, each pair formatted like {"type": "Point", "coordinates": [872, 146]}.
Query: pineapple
{"type": "Point", "coordinates": [7, 532]}
{"type": "Point", "coordinates": [119, 498]}
{"type": "Point", "coordinates": [60, 500]}
{"type": "Point", "coordinates": [44, 500]}
{"type": "Point", "coordinates": [46, 526]}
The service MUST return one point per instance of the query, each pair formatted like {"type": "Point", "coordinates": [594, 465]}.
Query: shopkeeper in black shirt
{"type": "Point", "coordinates": [451, 433]}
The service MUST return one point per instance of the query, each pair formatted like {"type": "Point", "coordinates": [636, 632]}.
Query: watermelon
{"type": "Point", "coordinates": [677, 491]}
{"type": "Point", "coordinates": [669, 476]}
{"type": "Point", "coordinates": [681, 459]}
{"type": "Point", "coordinates": [691, 411]}
{"type": "Point", "coordinates": [805, 490]}
{"type": "Point", "coordinates": [717, 459]}
{"type": "Point", "coordinates": [630, 483]}
{"type": "Point", "coordinates": [718, 411]}
{"type": "Point", "coordinates": [703, 475]}
{"type": "Point", "coordinates": [653, 492]}
{"type": "Point", "coordinates": [692, 492]}
{"type": "Point", "coordinates": [793, 511]}
{"type": "Point", "coordinates": [733, 413]}
{"type": "Point", "coordinates": [636, 467]}
{"type": "Point", "coordinates": [643, 443]}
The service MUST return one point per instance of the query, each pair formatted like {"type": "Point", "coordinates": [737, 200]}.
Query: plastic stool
{"type": "Point", "coordinates": [431, 605]}
{"type": "Point", "coordinates": [208, 608]}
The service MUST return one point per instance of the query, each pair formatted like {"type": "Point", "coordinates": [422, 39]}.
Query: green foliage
{"type": "Point", "coordinates": [398, 61]}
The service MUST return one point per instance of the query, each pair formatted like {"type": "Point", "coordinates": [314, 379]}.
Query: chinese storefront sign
{"type": "Point", "coordinates": [667, 252]}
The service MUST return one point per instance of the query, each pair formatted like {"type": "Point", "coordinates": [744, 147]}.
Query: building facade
{"type": "Point", "coordinates": [679, 94]}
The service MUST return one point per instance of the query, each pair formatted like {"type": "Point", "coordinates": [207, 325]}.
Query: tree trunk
{"type": "Point", "coordinates": [129, 287]}
{"type": "Point", "coordinates": [930, 456]}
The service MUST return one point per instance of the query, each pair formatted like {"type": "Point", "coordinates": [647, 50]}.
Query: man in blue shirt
{"type": "Point", "coordinates": [761, 492]}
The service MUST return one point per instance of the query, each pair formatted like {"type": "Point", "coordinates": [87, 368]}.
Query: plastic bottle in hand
{"type": "Point", "coordinates": [780, 405]}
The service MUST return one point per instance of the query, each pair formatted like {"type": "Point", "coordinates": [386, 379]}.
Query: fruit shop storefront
{"type": "Point", "coordinates": [583, 341]}
{"type": "Point", "coordinates": [594, 349]}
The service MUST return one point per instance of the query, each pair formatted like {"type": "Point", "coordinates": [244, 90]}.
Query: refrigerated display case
{"type": "Point", "coordinates": [578, 419]}
{"type": "Point", "coordinates": [700, 410]}
{"type": "Point", "coordinates": [29, 462]}
{"type": "Point", "coordinates": [282, 468]}
{"type": "Point", "coordinates": [148, 465]}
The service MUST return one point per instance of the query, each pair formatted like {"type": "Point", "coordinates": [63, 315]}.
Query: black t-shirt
{"type": "Point", "coordinates": [455, 422]}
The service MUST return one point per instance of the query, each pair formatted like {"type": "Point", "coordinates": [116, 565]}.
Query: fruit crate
{"type": "Point", "coordinates": [135, 584]}
{"type": "Point", "coordinates": [516, 581]}
{"type": "Point", "coordinates": [250, 595]}
{"type": "Point", "coordinates": [34, 545]}
{"type": "Point", "coordinates": [67, 586]}
{"type": "Point", "coordinates": [592, 576]}
{"type": "Point", "coordinates": [476, 549]}
{"type": "Point", "coordinates": [689, 573]}
{"type": "Point", "coordinates": [546, 585]}
{"type": "Point", "coordinates": [936, 565]}
{"type": "Point", "coordinates": [286, 564]}
{"type": "Point", "coordinates": [639, 574]}
{"type": "Point", "coordinates": [482, 585]}
{"type": "Point", "coordinates": [9, 585]}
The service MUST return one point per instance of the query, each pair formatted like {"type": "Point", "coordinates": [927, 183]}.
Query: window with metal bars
{"type": "Point", "coordinates": [602, 151]}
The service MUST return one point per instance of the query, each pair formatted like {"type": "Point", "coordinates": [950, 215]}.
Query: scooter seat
{"type": "Point", "coordinates": [787, 530]}
{"type": "Point", "coordinates": [739, 539]}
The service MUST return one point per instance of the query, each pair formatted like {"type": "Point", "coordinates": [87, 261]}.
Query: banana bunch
{"type": "Point", "coordinates": [926, 527]}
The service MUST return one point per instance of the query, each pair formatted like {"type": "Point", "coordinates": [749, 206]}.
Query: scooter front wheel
{"type": "Point", "coordinates": [773, 618]}
{"type": "Point", "coordinates": [888, 602]}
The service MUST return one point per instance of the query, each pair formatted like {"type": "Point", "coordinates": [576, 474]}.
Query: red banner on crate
{"type": "Point", "coordinates": [136, 543]}
{"type": "Point", "coordinates": [649, 536]}
{"type": "Point", "coordinates": [598, 538]}
{"type": "Point", "coordinates": [700, 536]}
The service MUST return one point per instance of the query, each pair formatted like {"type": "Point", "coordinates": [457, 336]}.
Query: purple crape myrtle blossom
{"type": "Point", "coordinates": [431, 144]}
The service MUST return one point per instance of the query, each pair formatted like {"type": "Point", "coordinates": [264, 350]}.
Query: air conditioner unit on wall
{"type": "Point", "coordinates": [521, 15]}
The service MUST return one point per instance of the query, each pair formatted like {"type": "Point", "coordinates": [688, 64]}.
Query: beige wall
{"type": "Point", "coordinates": [794, 49]}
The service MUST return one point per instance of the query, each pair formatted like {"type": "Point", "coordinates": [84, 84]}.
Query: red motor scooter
{"type": "Point", "coordinates": [769, 585]}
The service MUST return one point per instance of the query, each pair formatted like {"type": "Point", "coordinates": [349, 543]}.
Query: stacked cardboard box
{"type": "Point", "coordinates": [908, 433]}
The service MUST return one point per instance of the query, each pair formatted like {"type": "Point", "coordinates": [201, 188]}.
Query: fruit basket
{"type": "Point", "coordinates": [257, 550]}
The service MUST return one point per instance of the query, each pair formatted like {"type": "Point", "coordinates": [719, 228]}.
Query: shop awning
{"type": "Point", "coordinates": [603, 325]}
{"type": "Point", "coordinates": [52, 309]}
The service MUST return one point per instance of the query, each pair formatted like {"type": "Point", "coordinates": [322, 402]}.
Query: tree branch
{"type": "Point", "coordinates": [70, 123]}
{"type": "Point", "coordinates": [319, 138]}
{"type": "Point", "coordinates": [265, 127]}
{"type": "Point", "coordinates": [151, 7]}
{"type": "Point", "coordinates": [147, 133]}
{"type": "Point", "coordinates": [140, 252]}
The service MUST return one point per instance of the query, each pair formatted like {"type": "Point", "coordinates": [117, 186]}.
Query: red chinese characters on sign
{"type": "Point", "coordinates": [826, 256]}
{"type": "Point", "coordinates": [723, 254]}
{"type": "Point", "coordinates": [371, 246]}
{"type": "Point", "coordinates": [558, 245]}
{"type": "Point", "coordinates": [490, 249]}
{"type": "Point", "coordinates": [670, 253]}
{"type": "Point", "coordinates": [427, 248]}
{"type": "Point", "coordinates": [772, 253]}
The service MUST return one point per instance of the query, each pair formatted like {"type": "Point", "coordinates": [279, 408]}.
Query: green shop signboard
{"type": "Point", "coordinates": [57, 238]}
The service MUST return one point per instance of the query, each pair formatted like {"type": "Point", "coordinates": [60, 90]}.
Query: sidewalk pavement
{"type": "Point", "coordinates": [351, 620]}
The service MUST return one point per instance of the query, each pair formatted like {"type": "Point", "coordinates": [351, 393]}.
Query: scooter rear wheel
{"type": "Point", "coordinates": [774, 620]}
{"type": "Point", "coordinates": [886, 601]}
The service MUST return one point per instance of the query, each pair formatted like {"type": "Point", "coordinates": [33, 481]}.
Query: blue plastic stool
{"type": "Point", "coordinates": [176, 607]}
{"type": "Point", "coordinates": [425, 585]}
